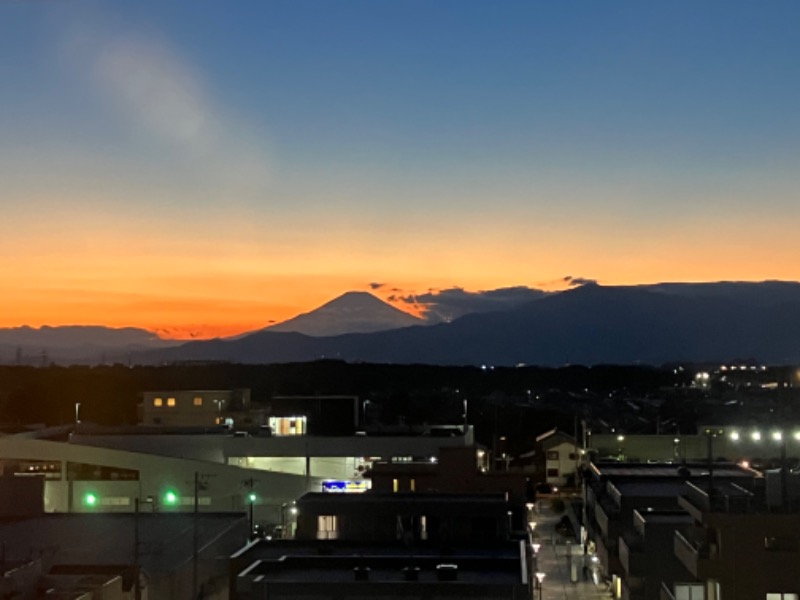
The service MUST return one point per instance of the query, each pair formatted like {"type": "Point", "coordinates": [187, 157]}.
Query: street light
{"type": "Point", "coordinates": [540, 578]}
{"type": "Point", "coordinates": [170, 498]}
{"type": "Point", "coordinates": [251, 500]}
{"type": "Point", "coordinates": [364, 405]}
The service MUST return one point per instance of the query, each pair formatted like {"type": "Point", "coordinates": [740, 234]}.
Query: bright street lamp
{"type": "Point", "coordinates": [540, 578]}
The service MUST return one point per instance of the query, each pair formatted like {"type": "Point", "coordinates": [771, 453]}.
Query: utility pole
{"type": "Point", "coordinates": [251, 500]}
{"type": "Point", "coordinates": [195, 533]}
{"type": "Point", "coordinates": [137, 590]}
{"type": "Point", "coordinates": [198, 485]}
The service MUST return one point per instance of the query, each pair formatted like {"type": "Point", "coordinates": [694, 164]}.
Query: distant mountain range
{"type": "Point", "coordinates": [591, 324]}
{"type": "Point", "coordinates": [74, 343]}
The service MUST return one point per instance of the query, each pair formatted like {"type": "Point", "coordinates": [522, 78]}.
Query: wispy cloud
{"type": "Point", "coordinates": [160, 96]}
{"type": "Point", "coordinates": [451, 303]}
{"type": "Point", "coordinates": [579, 281]}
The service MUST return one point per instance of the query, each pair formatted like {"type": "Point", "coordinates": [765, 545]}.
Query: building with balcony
{"type": "Point", "coordinates": [739, 546]}
{"type": "Point", "coordinates": [631, 509]}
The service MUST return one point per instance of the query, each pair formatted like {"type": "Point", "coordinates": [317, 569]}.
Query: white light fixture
{"type": "Point", "coordinates": [777, 436]}
{"type": "Point", "coordinates": [735, 436]}
{"type": "Point", "coordinates": [540, 577]}
{"type": "Point", "coordinates": [536, 548]}
{"type": "Point", "coordinates": [756, 436]}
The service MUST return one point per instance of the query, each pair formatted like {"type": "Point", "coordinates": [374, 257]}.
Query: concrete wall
{"type": "Point", "coordinates": [663, 448]}
{"type": "Point", "coordinates": [21, 496]}
{"type": "Point", "coordinates": [226, 487]}
{"type": "Point", "coordinates": [745, 568]}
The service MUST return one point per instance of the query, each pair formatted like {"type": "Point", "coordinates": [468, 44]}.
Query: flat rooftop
{"type": "Point", "coordinates": [108, 539]}
{"type": "Point", "coordinates": [676, 470]}
{"type": "Point", "coordinates": [303, 564]}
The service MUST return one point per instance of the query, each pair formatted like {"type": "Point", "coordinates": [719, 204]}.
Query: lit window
{"type": "Point", "coordinates": [395, 485]}
{"type": "Point", "coordinates": [158, 402]}
{"type": "Point", "coordinates": [413, 485]}
{"type": "Point", "coordinates": [170, 401]}
{"type": "Point", "coordinates": [198, 401]}
{"type": "Point", "coordinates": [327, 527]}
{"type": "Point", "coordinates": [288, 425]}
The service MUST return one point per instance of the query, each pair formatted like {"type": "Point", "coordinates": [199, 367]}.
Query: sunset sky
{"type": "Point", "coordinates": [204, 168]}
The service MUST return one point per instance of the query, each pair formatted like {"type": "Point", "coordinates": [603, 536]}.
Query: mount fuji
{"type": "Point", "coordinates": [352, 312]}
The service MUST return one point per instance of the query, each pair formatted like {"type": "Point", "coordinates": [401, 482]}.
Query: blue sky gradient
{"type": "Point", "coordinates": [301, 148]}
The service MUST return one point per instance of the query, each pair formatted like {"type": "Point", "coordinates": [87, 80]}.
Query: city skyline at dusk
{"type": "Point", "coordinates": [207, 169]}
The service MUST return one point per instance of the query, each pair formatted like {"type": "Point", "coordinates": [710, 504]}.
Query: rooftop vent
{"type": "Point", "coordinates": [411, 573]}
{"type": "Point", "coordinates": [361, 573]}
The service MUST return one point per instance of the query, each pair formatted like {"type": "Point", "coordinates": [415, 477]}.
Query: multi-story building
{"type": "Point", "coordinates": [193, 408]}
{"type": "Point", "coordinates": [629, 508]}
{"type": "Point", "coordinates": [390, 545]}
{"type": "Point", "coordinates": [557, 458]}
{"type": "Point", "coordinates": [741, 545]}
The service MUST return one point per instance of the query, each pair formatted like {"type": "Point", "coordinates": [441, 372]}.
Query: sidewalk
{"type": "Point", "coordinates": [563, 562]}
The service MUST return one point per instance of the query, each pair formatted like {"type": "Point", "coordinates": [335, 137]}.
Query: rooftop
{"type": "Point", "coordinates": [671, 470]}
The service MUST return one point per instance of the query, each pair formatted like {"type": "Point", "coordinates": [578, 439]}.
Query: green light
{"type": "Point", "coordinates": [170, 498]}
{"type": "Point", "coordinates": [252, 497]}
{"type": "Point", "coordinates": [90, 499]}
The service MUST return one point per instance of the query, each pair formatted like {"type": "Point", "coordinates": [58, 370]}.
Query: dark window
{"type": "Point", "coordinates": [781, 543]}
{"type": "Point", "coordinates": [552, 455]}
{"type": "Point", "coordinates": [572, 456]}
{"type": "Point", "coordinates": [552, 472]}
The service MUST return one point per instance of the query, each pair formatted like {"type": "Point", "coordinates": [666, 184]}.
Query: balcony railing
{"type": "Point", "coordinates": [631, 554]}
{"type": "Point", "coordinates": [694, 553]}
{"type": "Point", "coordinates": [666, 592]}
{"type": "Point", "coordinates": [718, 501]}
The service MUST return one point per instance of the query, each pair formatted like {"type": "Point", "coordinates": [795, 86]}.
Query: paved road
{"type": "Point", "coordinates": [562, 562]}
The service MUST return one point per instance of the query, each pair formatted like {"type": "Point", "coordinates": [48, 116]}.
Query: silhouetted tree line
{"type": "Point", "coordinates": [515, 403]}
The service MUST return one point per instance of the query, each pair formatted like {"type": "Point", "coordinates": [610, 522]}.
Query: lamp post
{"type": "Point", "coordinates": [364, 412]}
{"type": "Point", "coordinates": [288, 520]}
{"type": "Point", "coordinates": [251, 500]}
{"type": "Point", "coordinates": [540, 578]}
{"type": "Point", "coordinates": [778, 436]}
{"type": "Point", "coordinates": [710, 434]}
{"type": "Point", "coordinates": [137, 585]}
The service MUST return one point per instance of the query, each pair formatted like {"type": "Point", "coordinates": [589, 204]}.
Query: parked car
{"type": "Point", "coordinates": [546, 488]}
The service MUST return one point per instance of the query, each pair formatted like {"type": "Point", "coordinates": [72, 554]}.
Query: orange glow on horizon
{"type": "Point", "coordinates": [195, 285]}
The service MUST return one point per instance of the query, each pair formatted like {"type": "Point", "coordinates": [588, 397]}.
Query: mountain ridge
{"type": "Point", "coordinates": [590, 324]}
{"type": "Point", "coordinates": [351, 312]}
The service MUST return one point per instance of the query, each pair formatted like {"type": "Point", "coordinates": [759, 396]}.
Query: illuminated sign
{"type": "Point", "coordinates": [339, 486]}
